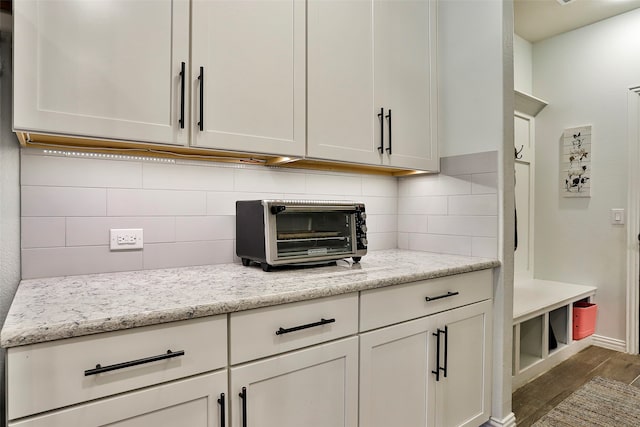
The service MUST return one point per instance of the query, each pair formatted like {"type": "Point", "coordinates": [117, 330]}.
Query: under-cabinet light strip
{"type": "Point", "coordinates": [107, 156]}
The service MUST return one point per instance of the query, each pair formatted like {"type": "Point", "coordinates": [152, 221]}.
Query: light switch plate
{"type": "Point", "coordinates": [617, 216]}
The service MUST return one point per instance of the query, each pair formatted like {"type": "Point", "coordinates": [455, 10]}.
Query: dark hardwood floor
{"type": "Point", "coordinates": [536, 398]}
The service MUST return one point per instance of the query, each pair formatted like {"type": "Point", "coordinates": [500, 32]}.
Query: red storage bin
{"type": "Point", "coordinates": [584, 319]}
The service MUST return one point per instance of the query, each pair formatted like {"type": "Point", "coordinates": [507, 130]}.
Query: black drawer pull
{"type": "Point", "coordinates": [447, 295]}
{"type": "Point", "coordinates": [307, 326]}
{"type": "Point", "coordinates": [100, 369]}
{"type": "Point", "coordinates": [221, 402]}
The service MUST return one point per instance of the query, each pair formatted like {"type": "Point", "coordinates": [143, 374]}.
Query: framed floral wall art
{"type": "Point", "coordinates": [575, 164]}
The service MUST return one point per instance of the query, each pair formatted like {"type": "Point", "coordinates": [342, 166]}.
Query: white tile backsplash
{"type": "Point", "coordinates": [63, 201]}
{"type": "Point", "coordinates": [484, 183]}
{"type": "Point", "coordinates": [379, 241]}
{"type": "Point", "coordinates": [329, 185]}
{"type": "Point", "coordinates": [434, 185]}
{"type": "Point", "coordinates": [269, 181]}
{"type": "Point", "coordinates": [76, 172]}
{"type": "Point", "coordinates": [376, 186]}
{"type": "Point", "coordinates": [430, 205]}
{"type": "Point", "coordinates": [225, 203]}
{"type": "Point", "coordinates": [180, 254]}
{"type": "Point", "coordinates": [189, 229]}
{"type": "Point", "coordinates": [484, 246]}
{"type": "Point", "coordinates": [125, 202]}
{"type": "Point", "coordinates": [485, 226]}
{"type": "Point", "coordinates": [483, 204]}
{"type": "Point", "coordinates": [187, 209]}
{"type": "Point", "coordinates": [413, 223]}
{"type": "Point", "coordinates": [187, 177]}
{"type": "Point", "coordinates": [456, 245]}
{"type": "Point", "coordinates": [382, 223]}
{"type": "Point", "coordinates": [42, 232]}
{"type": "Point", "coordinates": [48, 262]}
{"type": "Point", "coordinates": [454, 212]}
{"type": "Point", "coordinates": [93, 231]}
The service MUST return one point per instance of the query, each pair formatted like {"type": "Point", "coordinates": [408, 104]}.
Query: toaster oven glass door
{"type": "Point", "coordinates": [309, 234]}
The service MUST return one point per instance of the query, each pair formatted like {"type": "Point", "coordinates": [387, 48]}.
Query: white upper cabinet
{"type": "Point", "coordinates": [341, 112]}
{"type": "Point", "coordinates": [372, 82]}
{"type": "Point", "coordinates": [101, 68]}
{"type": "Point", "coordinates": [251, 96]}
{"type": "Point", "coordinates": [405, 82]}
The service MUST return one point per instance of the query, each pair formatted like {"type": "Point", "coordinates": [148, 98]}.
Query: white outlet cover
{"type": "Point", "coordinates": [125, 239]}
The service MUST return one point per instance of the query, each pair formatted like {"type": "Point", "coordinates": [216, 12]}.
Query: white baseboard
{"type": "Point", "coordinates": [508, 421]}
{"type": "Point", "coordinates": [610, 343]}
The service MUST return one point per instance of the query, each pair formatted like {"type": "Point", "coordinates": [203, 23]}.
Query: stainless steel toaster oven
{"type": "Point", "coordinates": [279, 232]}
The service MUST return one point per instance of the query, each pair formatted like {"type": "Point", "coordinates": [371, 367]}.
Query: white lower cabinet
{"type": "Point", "coordinates": [432, 371]}
{"type": "Point", "coordinates": [193, 402]}
{"type": "Point", "coordinates": [314, 387]}
{"type": "Point", "coordinates": [415, 355]}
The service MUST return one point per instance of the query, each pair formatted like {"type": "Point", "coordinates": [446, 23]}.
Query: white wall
{"type": "Point", "coordinates": [585, 76]}
{"type": "Point", "coordinates": [522, 65]}
{"type": "Point", "coordinates": [9, 199]}
{"type": "Point", "coordinates": [470, 114]}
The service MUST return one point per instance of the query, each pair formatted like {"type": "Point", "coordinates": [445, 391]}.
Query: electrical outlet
{"type": "Point", "coordinates": [122, 239]}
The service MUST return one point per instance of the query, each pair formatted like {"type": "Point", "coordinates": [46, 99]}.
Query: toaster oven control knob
{"type": "Point", "coordinates": [363, 215]}
{"type": "Point", "coordinates": [364, 241]}
{"type": "Point", "coordinates": [363, 228]}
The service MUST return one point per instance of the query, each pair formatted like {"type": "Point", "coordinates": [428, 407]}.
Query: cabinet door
{"type": "Point", "coordinates": [102, 68]}
{"type": "Point", "coordinates": [192, 402]}
{"type": "Point", "coordinates": [316, 387]}
{"type": "Point", "coordinates": [396, 383]}
{"type": "Point", "coordinates": [405, 81]}
{"type": "Point", "coordinates": [251, 96]}
{"type": "Point", "coordinates": [463, 397]}
{"type": "Point", "coordinates": [342, 121]}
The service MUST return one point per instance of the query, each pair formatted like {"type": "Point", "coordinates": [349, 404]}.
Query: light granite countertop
{"type": "Point", "coordinates": [63, 307]}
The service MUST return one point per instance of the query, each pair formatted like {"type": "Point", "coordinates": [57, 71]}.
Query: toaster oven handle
{"type": "Point", "coordinates": [276, 209]}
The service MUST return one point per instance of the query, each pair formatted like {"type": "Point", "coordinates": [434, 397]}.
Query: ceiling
{"type": "Point", "coordinates": [536, 20]}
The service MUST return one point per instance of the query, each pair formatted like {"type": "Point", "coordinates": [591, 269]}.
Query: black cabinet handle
{"type": "Point", "coordinates": [243, 396]}
{"type": "Point", "coordinates": [438, 367]}
{"type": "Point", "coordinates": [446, 348]}
{"type": "Point", "coordinates": [381, 117]}
{"type": "Point", "coordinates": [100, 369]}
{"type": "Point", "coordinates": [201, 78]}
{"type": "Point", "coordinates": [182, 70]}
{"type": "Point", "coordinates": [447, 295]}
{"type": "Point", "coordinates": [437, 370]}
{"type": "Point", "coordinates": [221, 402]}
{"type": "Point", "coordinates": [389, 118]}
{"type": "Point", "coordinates": [281, 330]}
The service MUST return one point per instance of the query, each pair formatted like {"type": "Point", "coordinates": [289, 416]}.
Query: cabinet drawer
{"type": "Point", "coordinates": [386, 306]}
{"type": "Point", "coordinates": [54, 374]}
{"type": "Point", "coordinates": [271, 330]}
